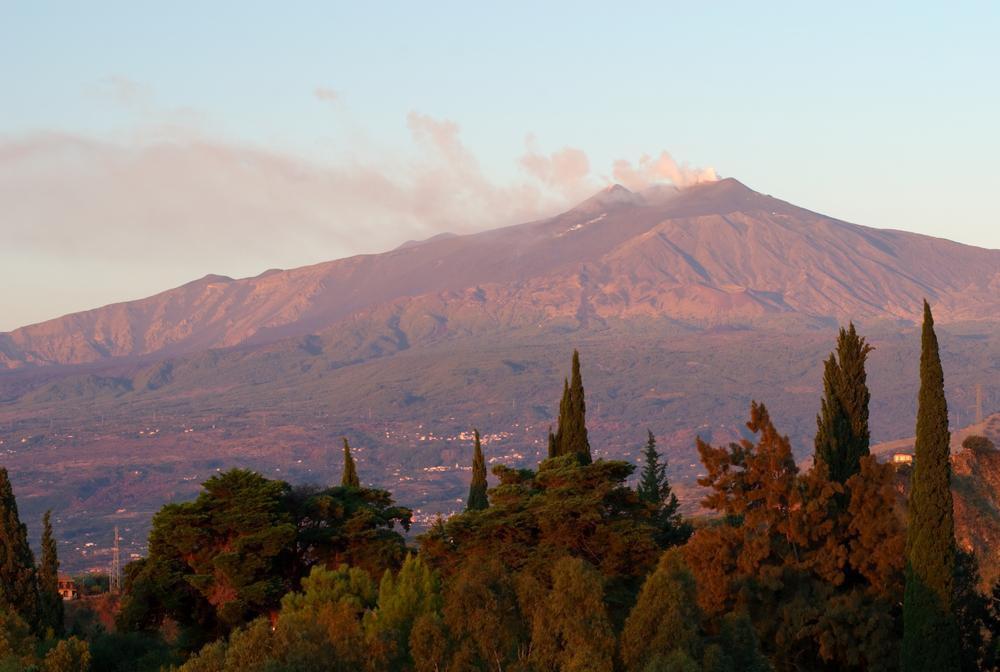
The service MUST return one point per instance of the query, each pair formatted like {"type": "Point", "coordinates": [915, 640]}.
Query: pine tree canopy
{"type": "Point", "coordinates": [571, 436]}
{"type": "Point", "coordinates": [930, 635]}
{"type": "Point", "coordinates": [18, 589]}
{"type": "Point", "coordinates": [350, 478]}
{"type": "Point", "coordinates": [50, 602]}
{"type": "Point", "coordinates": [477, 489]}
{"type": "Point", "coordinates": [842, 435]}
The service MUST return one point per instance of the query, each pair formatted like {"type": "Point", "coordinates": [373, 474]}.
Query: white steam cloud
{"type": "Point", "coordinates": [651, 170]}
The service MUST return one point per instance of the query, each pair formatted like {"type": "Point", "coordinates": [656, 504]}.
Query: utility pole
{"type": "Point", "coordinates": [115, 578]}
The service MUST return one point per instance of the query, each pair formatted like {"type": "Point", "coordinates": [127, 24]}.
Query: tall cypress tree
{"type": "Point", "coordinates": [477, 489]}
{"type": "Point", "coordinates": [571, 437]}
{"type": "Point", "coordinates": [18, 589]}
{"type": "Point", "coordinates": [50, 602]}
{"type": "Point", "coordinates": [842, 435]}
{"type": "Point", "coordinates": [350, 478]}
{"type": "Point", "coordinates": [556, 441]}
{"type": "Point", "coordinates": [930, 633]}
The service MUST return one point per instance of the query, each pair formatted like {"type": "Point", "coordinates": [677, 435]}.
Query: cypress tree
{"type": "Point", "coordinates": [477, 490]}
{"type": "Point", "coordinates": [842, 435]}
{"type": "Point", "coordinates": [350, 478]}
{"type": "Point", "coordinates": [930, 633]}
{"type": "Point", "coordinates": [50, 602]}
{"type": "Point", "coordinates": [18, 590]}
{"type": "Point", "coordinates": [571, 437]}
{"type": "Point", "coordinates": [556, 442]}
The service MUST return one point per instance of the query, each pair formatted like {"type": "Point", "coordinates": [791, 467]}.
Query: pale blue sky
{"type": "Point", "coordinates": [882, 115]}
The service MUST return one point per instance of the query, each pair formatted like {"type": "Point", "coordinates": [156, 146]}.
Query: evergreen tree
{"type": "Point", "coordinates": [553, 449]}
{"type": "Point", "coordinates": [402, 599]}
{"type": "Point", "coordinates": [654, 488]}
{"type": "Point", "coordinates": [653, 485]}
{"type": "Point", "coordinates": [350, 478]}
{"type": "Point", "coordinates": [477, 490]}
{"type": "Point", "coordinates": [50, 602]}
{"type": "Point", "coordinates": [571, 629]}
{"type": "Point", "coordinates": [666, 617]}
{"type": "Point", "coordinates": [18, 590]}
{"type": "Point", "coordinates": [571, 437]}
{"type": "Point", "coordinates": [842, 435]}
{"type": "Point", "coordinates": [930, 634]}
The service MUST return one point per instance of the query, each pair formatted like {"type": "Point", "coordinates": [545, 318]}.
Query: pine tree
{"type": "Point", "coordinates": [653, 484]}
{"type": "Point", "coordinates": [553, 449]}
{"type": "Point", "coordinates": [930, 634]}
{"type": "Point", "coordinates": [571, 437]}
{"type": "Point", "coordinates": [477, 490]}
{"type": "Point", "coordinates": [654, 488]}
{"type": "Point", "coordinates": [842, 435]}
{"type": "Point", "coordinates": [18, 589]}
{"type": "Point", "coordinates": [50, 602]}
{"type": "Point", "coordinates": [350, 478]}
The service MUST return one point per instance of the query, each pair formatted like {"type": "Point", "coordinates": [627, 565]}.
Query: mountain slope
{"type": "Point", "coordinates": [713, 254]}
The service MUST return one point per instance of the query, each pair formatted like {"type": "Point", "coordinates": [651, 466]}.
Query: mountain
{"type": "Point", "coordinates": [684, 304]}
{"type": "Point", "coordinates": [715, 254]}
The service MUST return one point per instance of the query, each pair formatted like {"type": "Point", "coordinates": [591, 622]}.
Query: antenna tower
{"type": "Point", "coordinates": [115, 577]}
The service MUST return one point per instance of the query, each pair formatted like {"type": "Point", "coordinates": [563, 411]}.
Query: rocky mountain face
{"type": "Point", "coordinates": [711, 255]}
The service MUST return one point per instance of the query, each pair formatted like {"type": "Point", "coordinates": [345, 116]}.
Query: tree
{"type": "Point", "coordinates": [69, 655]}
{"type": "Point", "coordinates": [978, 617]}
{"type": "Point", "coordinates": [50, 602]}
{"type": "Point", "coordinates": [348, 525]}
{"type": "Point", "coordinates": [842, 435]}
{"type": "Point", "coordinates": [477, 489]}
{"type": "Point", "coordinates": [979, 445]}
{"type": "Point", "coordinates": [737, 648]}
{"type": "Point", "coordinates": [402, 599]}
{"type": "Point", "coordinates": [819, 580]}
{"type": "Point", "coordinates": [930, 634]}
{"type": "Point", "coordinates": [570, 630]}
{"type": "Point", "coordinates": [228, 557]}
{"type": "Point", "coordinates": [483, 616]}
{"type": "Point", "coordinates": [566, 508]}
{"type": "Point", "coordinates": [571, 436]}
{"type": "Point", "coordinates": [18, 587]}
{"type": "Point", "coordinates": [666, 617]}
{"type": "Point", "coordinates": [350, 478]}
{"type": "Point", "coordinates": [654, 488]}
{"type": "Point", "coordinates": [217, 562]}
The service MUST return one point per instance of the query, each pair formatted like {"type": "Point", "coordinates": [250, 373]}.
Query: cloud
{"type": "Point", "coordinates": [175, 196]}
{"type": "Point", "coordinates": [566, 170]}
{"type": "Point", "coordinates": [170, 201]}
{"type": "Point", "coordinates": [663, 168]}
{"type": "Point", "coordinates": [326, 94]}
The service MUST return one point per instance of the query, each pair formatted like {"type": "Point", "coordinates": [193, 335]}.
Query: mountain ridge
{"type": "Point", "coordinates": [710, 255]}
